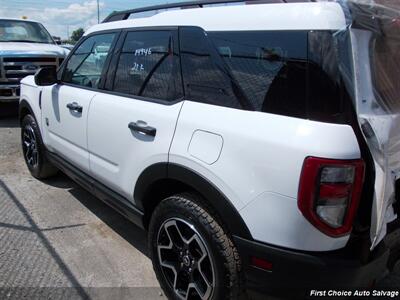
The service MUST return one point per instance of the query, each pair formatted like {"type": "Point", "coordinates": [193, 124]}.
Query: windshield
{"type": "Point", "coordinates": [23, 31]}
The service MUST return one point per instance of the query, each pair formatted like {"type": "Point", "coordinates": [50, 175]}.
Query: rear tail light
{"type": "Point", "coordinates": [329, 193]}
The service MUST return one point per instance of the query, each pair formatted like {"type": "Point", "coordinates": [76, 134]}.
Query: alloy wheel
{"type": "Point", "coordinates": [185, 260]}
{"type": "Point", "coordinates": [29, 143]}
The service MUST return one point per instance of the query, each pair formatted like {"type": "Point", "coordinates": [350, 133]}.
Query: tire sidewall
{"type": "Point", "coordinates": [168, 212]}
{"type": "Point", "coordinates": [29, 120]}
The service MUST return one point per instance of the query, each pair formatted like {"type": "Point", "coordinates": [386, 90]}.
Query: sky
{"type": "Point", "coordinates": [61, 17]}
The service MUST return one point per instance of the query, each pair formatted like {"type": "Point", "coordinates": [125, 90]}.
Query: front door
{"type": "Point", "coordinates": [66, 105]}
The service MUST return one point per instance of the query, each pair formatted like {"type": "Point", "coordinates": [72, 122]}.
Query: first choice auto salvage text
{"type": "Point", "coordinates": [355, 293]}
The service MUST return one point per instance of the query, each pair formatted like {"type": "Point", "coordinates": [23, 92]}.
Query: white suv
{"type": "Point", "coordinates": [231, 134]}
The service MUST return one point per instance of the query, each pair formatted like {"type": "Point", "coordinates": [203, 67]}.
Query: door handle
{"type": "Point", "coordinates": [142, 127]}
{"type": "Point", "coordinates": [75, 107]}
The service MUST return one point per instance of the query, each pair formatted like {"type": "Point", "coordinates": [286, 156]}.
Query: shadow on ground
{"type": "Point", "coordinates": [20, 247]}
{"type": "Point", "coordinates": [8, 109]}
{"type": "Point", "coordinates": [9, 122]}
{"type": "Point", "coordinates": [122, 226]}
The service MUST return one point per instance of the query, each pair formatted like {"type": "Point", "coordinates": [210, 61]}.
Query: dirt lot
{"type": "Point", "coordinates": [54, 235]}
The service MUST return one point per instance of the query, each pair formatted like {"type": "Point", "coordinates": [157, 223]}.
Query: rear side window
{"type": "Point", "coordinates": [85, 66]}
{"type": "Point", "coordinates": [149, 66]}
{"type": "Point", "coordinates": [269, 67]}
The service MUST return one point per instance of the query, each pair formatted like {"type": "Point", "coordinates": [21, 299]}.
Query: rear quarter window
{"type": "Point", "coordinates": [270, 68]}
{"type": "Point", "coordinates": [327, 98]}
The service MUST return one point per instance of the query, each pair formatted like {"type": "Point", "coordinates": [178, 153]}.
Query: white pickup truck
{"type": "Point", "coordinates": [25, 46]}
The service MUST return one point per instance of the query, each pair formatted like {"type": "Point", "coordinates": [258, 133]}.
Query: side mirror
{"type": "Point", "coordinates": [46, 76]}
{"type": "Point", "coordinates": [58, 42]}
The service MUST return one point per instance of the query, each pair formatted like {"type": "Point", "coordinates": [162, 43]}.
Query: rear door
{"type": "Point", "coordinates": [131, 124]}
{"type": "Point", "coordinates": [66, 105]}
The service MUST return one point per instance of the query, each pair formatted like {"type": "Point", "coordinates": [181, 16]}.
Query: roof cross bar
{"type": "Point", "coordinates": [124, 15]}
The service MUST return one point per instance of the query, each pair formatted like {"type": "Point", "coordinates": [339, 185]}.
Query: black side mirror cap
{"type": "Point", "coordinates": [46, 76]}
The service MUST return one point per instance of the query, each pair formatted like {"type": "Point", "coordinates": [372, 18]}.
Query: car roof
{"type": "Point", "coordinates": [277, 16]}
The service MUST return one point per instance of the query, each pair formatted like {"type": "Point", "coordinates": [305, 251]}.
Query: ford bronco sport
{"type": "Point", "coordinates": [248, 140]}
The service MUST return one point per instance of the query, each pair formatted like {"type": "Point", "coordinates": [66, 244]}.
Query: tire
{"type": "Point", "coordinates": [34, 151]}
{"type": "Point", "coordinates": [210, 257]}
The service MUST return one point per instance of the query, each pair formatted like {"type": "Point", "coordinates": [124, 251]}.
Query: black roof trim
{"type": "Point", "coordinates": [123, 15]}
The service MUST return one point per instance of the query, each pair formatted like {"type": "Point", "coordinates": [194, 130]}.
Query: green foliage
{"type": "Point", "coordinates": [77, 34]}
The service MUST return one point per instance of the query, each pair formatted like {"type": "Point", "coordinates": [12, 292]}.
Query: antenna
{"type": "Point", "coordinates": [98, 12]}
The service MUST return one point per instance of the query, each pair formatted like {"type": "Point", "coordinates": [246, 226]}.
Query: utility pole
{"type": "Point", "coordinates": [98, 12]}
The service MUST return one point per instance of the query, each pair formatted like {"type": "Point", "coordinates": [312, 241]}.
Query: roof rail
{"type": "Point", "coordinates": [123, 15]}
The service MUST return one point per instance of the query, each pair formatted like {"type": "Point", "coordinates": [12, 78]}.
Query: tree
{"type": "Point", "coordinates": [77, 34]}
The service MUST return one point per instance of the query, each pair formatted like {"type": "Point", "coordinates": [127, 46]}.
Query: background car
{"type": "Point", "coordinates": [25, 46]}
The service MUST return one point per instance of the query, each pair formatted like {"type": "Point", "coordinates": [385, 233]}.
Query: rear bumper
{"type": "Point", "coordinates": [9, 92]}
{"type": "Point", "coordinates": [294, 274]}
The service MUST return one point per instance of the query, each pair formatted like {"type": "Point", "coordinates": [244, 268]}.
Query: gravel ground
{"type": "Point", "coordinates": [59, 242]}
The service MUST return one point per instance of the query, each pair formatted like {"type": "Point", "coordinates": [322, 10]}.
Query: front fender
{"type": "Point", "coordinates": [30, 100]}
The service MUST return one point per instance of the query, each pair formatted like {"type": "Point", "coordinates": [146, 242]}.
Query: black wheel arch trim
{"type": "Point", "coordinates": [219, 202]}
{"type": "Point", "coordinates": [22, 106]}
{"type": "Point", "coordinates": [160, 171]}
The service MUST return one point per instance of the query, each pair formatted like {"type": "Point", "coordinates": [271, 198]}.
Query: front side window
{"type": "Point", "coordinates": [86, 64]}
{"type": "Point", "coordinates": [148, 66]}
